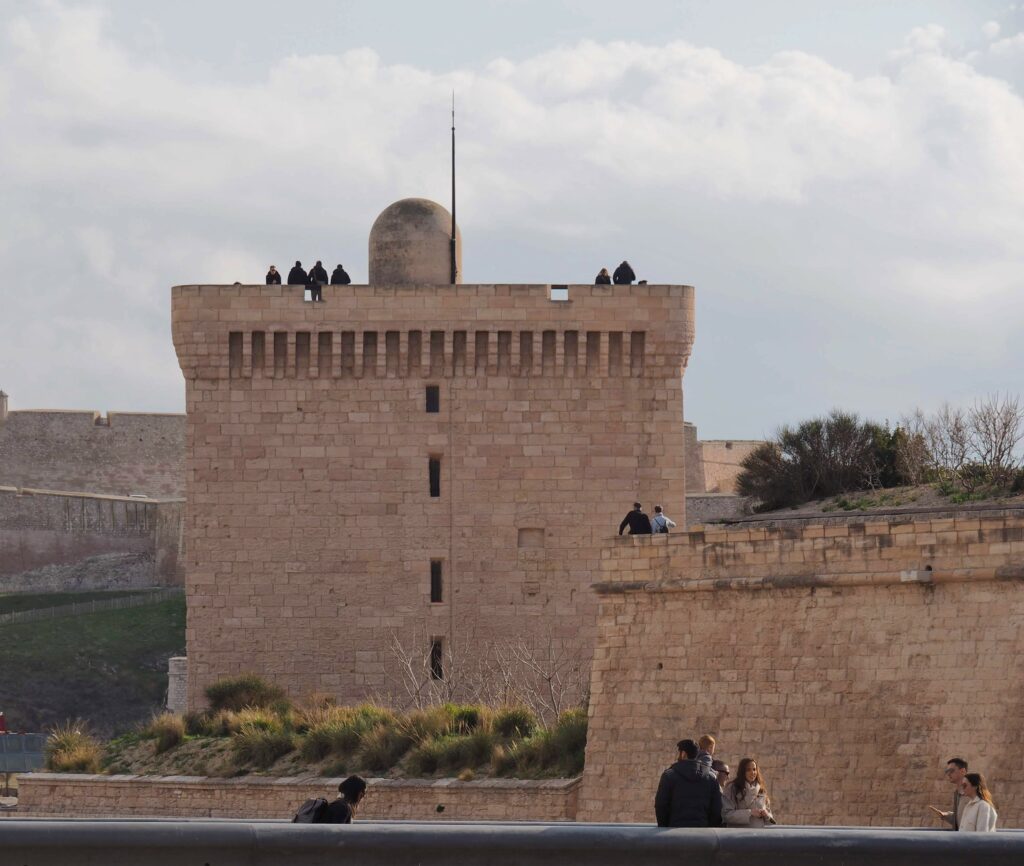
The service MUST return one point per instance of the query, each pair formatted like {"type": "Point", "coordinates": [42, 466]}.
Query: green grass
{"type": "Point", "coordinates": [109, 667]}
{"type": "Point", "coordinates": [19, 601]}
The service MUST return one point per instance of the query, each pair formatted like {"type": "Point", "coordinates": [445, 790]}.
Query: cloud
{"type": "Point", "coordinates": [990, 29]}
{"type": "Point", "coordinates": [866, 212]}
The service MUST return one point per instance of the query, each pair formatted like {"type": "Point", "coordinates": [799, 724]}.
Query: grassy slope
{"type": "Point", "coordinates": [109, 667]}
{"type": "Point", "coordinates": [18, 601]}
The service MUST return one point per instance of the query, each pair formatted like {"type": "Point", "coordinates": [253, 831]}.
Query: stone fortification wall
{"type": "Point", "coordinates": [850, 660]}
{"type": "Point", "coordinates": [118, 454]}
{"type": "Point", "coordinates": [70, 796]}
{"type": "Point", "coordinates": [53, 541]}
{"type": "Point", "coordinates": [311, 529]}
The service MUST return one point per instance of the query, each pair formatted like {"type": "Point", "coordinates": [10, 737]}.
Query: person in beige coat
{"type": "Point", "coordinates": [979, 812]}
{"type": "Point", "coordinates": [745, 800]}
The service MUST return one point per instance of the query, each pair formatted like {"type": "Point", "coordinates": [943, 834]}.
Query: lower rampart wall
{"type": "Point", "coordinates": [73, 796]}
{"type": "Point", "coordinates": [53, 541]}
{"type": "Point", "coordinates": [851, 661]}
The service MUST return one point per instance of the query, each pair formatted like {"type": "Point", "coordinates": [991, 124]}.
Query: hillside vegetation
{"type": "Point", "coordinates": [252, 728]}
{"type": "Point", "coordinates": [109, 667]}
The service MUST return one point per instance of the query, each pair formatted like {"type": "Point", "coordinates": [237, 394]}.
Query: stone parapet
{"type": "Point", "coordinates": [58, 795]}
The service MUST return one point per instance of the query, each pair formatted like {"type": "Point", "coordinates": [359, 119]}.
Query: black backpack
{"type": "Point", "coordinates": [311, 812]}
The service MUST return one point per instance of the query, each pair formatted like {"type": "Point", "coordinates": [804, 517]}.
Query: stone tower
{"type": "Point", "coordinates": [414, 461]}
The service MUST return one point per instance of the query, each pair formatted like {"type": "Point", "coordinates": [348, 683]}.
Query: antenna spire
{"type": "Point", "coordinates": [455, 266]}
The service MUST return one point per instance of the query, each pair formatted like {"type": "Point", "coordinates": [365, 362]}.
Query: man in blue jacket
{"type": "Point", "coordinates": [688, 794]}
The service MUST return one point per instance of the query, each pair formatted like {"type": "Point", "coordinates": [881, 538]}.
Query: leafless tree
{"type": "Point", "coordinates": [948, 437]}
{"type": "Point", "coordinates": [996, 428]}
{"type": "Point", "coordinates": [913, 457]}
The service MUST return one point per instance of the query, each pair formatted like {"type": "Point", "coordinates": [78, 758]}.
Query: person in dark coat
{"type": "Point", "coordinates": [317, 278]}
{"type": "Point", "coordinates": [623, 275]}
{"type": "Point", "coordinates": [638, 522]}
{"type": "Point", "coordinates": [297, 276]}
{"type": "Point", "coordinates": [273, 276]}
{"type": "Point", "coordinates": [603, 278]}
{"type": "Point", "coordinates": [343, 810]}
{"type": "Point", "coordinates": [688, 794]}
{"type": "Point", "coordinates": [340, 277]}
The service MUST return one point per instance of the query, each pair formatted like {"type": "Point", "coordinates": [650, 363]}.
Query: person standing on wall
{"type": "Point", "coordinates": [663, 523]}
{"type": "Point", "coordinates": [745, 802]}
{"type": "Point", "coordinates": [688, 793]}
{"type": "Point", "coordinates": [956, 769]}
{"type": "Point", "coordinates": [638, 522]}
{"type": "Point", "coordinates": [317, 278]}
{"type": "Point", "coordinates": [979, 812]}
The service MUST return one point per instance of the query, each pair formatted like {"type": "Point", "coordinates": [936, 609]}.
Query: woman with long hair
{"type": "Point", "coordinates": [979, 812]}
{"type": "Point", "coordinates": [745, 801]}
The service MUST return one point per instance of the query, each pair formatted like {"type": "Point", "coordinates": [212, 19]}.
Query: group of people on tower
{"type": "Point", "coordinates": [623, 276]}
{"type": "Point", "coordinates": [316, 278]}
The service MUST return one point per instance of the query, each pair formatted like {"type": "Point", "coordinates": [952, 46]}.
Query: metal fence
{"type": "Point", "coordinates": [81, 607]}
{"type": "Point", "coordinates": [162, 843]}
{"type": "Point", "coordinates": [20, 753]}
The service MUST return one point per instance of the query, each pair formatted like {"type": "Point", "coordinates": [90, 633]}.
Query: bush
{"type": "Point", "coordinates": [259, 746]}
{"type": "Point", "coordinates": [168, 729]}
{"type": "Point", "coordinates": [247, 690]}
{"type": "Point", "coordinates": [514, 722]}
{"type": "Point", "coordinates": [569, 738]}
{"type": "Point", "coordinates": [465, 718]}
{"type": "Point", "coordinates": [428, 724]}
{"type": "Point", "coordinates": [425, 759]}
{"type": "Point", "coordinates": [197, 724]}
{"type": "Point", "coordinates": [342, 731]}
{"type": "Point", "coordinates": [820, 458]}
{"type": "Point", "coordinates": [558, 751]}
{"type": "Point", "coordinates": [458, 752]}
{"type": "Point", "coordinates": [257, 719]}
{"type": "Point", "coordinates": [70, 748]}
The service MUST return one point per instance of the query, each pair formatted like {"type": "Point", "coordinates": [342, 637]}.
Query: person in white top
{"type": "Point", "coordinates": [745, 801]}
{"type": "Point", "coordinates": [979, 812]}
{"type": "Point", "coordinates": [661, 522]}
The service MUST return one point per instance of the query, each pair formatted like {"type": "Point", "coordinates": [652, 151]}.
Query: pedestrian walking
{"type": "Point", "coordinates": [638, 522]}
{"type": "Point", "coordinates": [956, 769]}
{"type": "Point", "coordinates": [979, 812]}
{"type": "Point", "coordinates": [661, 522]}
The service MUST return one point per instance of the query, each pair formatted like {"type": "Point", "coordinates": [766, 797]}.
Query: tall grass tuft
{"type": "Point", "coordinates": [260, 746]}
{"type": "Point", "coordinates": [70, 748]}
{"type": "Point", "coordinates": [247, 690]}
{"type": "Point", "coordinates": [514, 723]}
{"type": "Point", "coordinates": [168, 729]}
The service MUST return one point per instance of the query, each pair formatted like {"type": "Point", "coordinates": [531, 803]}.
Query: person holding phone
{"type": "Point", "coordinates": [745, 801]}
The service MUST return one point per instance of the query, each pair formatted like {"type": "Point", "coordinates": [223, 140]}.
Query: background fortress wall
{"type": "Point", "coordinates": [53, 541]}
{"type": "Point", "coordinates": [115, 454]}
{"type": "Point", "coordinates": [821, 652]}
{"type": "Point", "coordinates": [310, 525]}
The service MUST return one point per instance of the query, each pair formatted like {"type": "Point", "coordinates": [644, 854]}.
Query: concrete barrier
{"type": "Point", "coordinates": [211, 843]}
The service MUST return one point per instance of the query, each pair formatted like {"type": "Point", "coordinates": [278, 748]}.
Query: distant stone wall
{"type": "Point", "coordinates": [712, 465]}
{"type": "Point", "coordinates": [704, 508]}
{"type": "Point", "coordinates": [72, 796]}
{"type": "Point", "coordinates": [118, 454]}
{"type": "Point", "coordinates": [53, 541]}
{"type": "Point", "coordinates": [850, 660]}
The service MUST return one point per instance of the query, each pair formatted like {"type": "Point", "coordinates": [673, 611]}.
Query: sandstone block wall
{"type": "Point", "coordinates": [850, 660]}
{"type": "Point", "coordinates": [53, 541]}
{"type": "Point", "coordinates": [117, 454]}
{"type": "Point", "coordinates": [81, 796]}
{"type": "Point", "coordinates": [311, 527]}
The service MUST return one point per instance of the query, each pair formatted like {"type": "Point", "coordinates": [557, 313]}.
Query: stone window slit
{"type": "Point", "coordinates": [391, 358]}
{"type": "Point", "coordinates": [504, 353]}
{"type": "Point", "coordinates": [280, 354]}
{"type": "Point", "coordinates": [325, 354]}
{"type": "Point", "coordinates": [458, 353]}
{"type": "Point", "coordinates": [302, 353]}
{"type": "Point", "coordinates": [235, 354]}
{"type": "Point", "coordinates": [415, 363]}
{"type": "Point", "coordinates": [437, 658]}
{"type": "Point", "coordinates": [637, 350]}
{"type": "Point", "coordinates": [434, 476]}
{"type": "Point", "coordinates": [436, 581]}
{"type": "Point", "coordinates": [369, 353]}
{"type": "Point", "coordinates": [348, 353]}
{"type": "Point", "coordinates": [615, 353]}
{"type": "Point", "coordinates": [259, 352]}
{"type": "Point", "coordinates": [572, 348]}
{"type": "Point", "coordinates": [547, 353]}
{"type": "Point", "coordinates": [593, 353]}
{"type": "Point", "coordinates": [437, 353]}
{"type": "Point", "coordinates": [482, 350]}
{"type": "Point", "coordinates": [525, 353]}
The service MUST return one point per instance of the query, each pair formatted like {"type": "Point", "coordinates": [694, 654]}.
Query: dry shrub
{"type": "Point", "coordinates": [247, 690]}
{"type": "Point", "coordinates": [168, 729]}
{"type": "Point", "coordinates": [70, 748]}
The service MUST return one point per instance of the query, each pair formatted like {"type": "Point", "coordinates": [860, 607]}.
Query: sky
{"type": "Point", "coordinates": [842, 182]}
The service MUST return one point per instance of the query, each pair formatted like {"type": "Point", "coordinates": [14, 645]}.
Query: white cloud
{"type": "Point", "coordinates": [990, 29]}
{"type": "Point", "coordinates": [790, 189]}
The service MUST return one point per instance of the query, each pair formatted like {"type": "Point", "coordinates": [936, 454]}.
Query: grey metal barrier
{"type": "Point", "coordinates": [163, 843]}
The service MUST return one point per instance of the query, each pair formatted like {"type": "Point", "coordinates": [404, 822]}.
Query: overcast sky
{"type": "Point", "coordinates": [843, 182]}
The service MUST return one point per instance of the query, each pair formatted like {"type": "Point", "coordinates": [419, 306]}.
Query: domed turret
{"type": "Point", "coordinates": [410, 242]}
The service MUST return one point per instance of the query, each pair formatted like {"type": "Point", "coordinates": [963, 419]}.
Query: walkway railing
{"type": "Point", "coordinates": [162, 843]}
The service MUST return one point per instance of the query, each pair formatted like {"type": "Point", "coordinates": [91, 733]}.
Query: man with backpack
{"type": "Point", "coordinates": [661, 522]}
{"type": "Point", "coordinates": [341, 811]}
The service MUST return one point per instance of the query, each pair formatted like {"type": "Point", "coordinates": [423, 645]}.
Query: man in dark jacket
{"type": "Point", "coordinates": [340, 277]}
{"type": "Point", "coordinates": [297, 276]}
{"type": "Point", "coordinates": [342, 810]}
{"type": "Point", "coordinates": [688, 794]}
{"type": "Point", "coordinates": [638, 522]}
{"type": "Point", "coordinates": [623, 275]}
{"type": "Point", "coordinates": [273, 276]}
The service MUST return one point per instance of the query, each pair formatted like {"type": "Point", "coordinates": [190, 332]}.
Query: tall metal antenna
{"type": "Point", "coordinates": [455, 266]}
